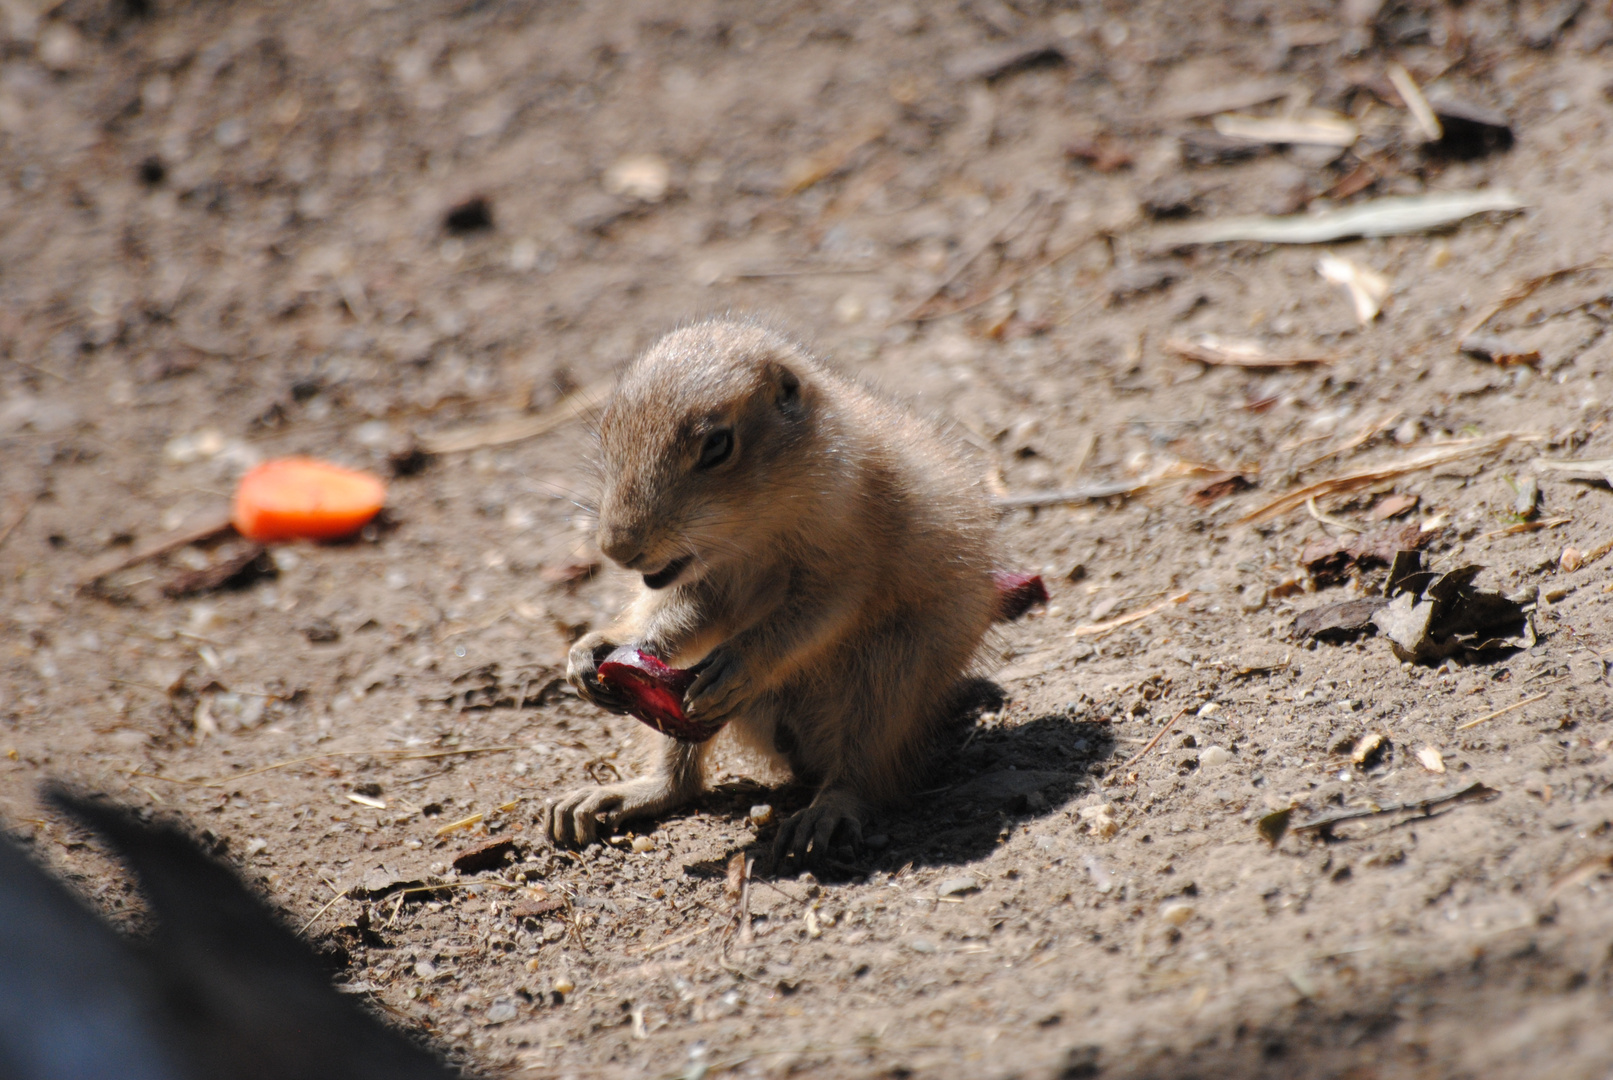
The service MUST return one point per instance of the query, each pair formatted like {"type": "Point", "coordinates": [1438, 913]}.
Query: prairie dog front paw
{"type": "Point", "coordinates": [723, 686]}
{"type": "Point", "coordinates": [579, 816]}
{"type": "Point", "coordinates": [582, 671]}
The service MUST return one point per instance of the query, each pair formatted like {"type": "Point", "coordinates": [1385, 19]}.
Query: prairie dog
{"type": "Point", "coordinates": [825, 554]}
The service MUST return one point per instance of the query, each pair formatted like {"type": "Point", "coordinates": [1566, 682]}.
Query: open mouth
{"type": "Point", "coordinates": [668, 573]}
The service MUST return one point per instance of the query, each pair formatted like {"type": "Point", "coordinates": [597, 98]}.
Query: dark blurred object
{"type": "Point", "coordinates": [1470, 131]}
{"type": "Point", "coordinates": [1202, 146]}
{"type": "Point", "coordinates": [239, 570]}
{"type": "Point", "coordinates": [995, 61]}
{"type": "Point", "coordinates": [1541, 30]}
{"type": "Point", "coordinates": [1102, 153]}
{"type": "Point", "coordinates": [410, 459]}
{"type": "Point", "coordinates": [472, 215]}
{"type": "Point", "coordinates": [220, 989]}
{"type": "Point", "coordinates": [1171, 197]}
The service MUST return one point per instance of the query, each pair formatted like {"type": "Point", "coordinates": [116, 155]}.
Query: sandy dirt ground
{"type": "Point", "coordinates": [418, 238]}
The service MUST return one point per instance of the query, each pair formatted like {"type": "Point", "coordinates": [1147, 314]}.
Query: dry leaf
{"type": "Point", "coordinates": [1377, 217]}
{"type": "Point", "coordinates": [1330, 561]}
{"type": "Point", "coordinates": [644, 177]}
{"type": "Point", "coordinates": [1272, 827]}
{"type": "Point", "coordinates": [1221, 351]}
{"type": "Point", "coordinates": [1599, 469]}
{"type": "Point", "coordinates": [1393, 506]}
{"type": "Point", "coordinates": [1315, 127]}
{"type": "Point", "coordinates": [1368, 748]}
{"type": "Point", "coordinates": [1433, 616]}
{"type": "Point", "coordinates": [1368, 288]}
{"type": "Point", "coordinates": [1418, 105]}
{"type": "Point", "coordinates": [1338, 621]}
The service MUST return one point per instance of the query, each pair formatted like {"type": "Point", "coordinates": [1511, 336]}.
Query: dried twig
{"type": "Point", "coordinates": [1218, 351]}
{"type": "Point", "coordinates": [1176, 470]}
{"type": "Point", "coordinates": [1316, 127]}
{"type": "Point", "coordinates": [799, 271]}
{"type": "Point", "coordinates": [1527, 526]}
{"type": "Point", "coordinates": [396, 755]}
{"type": "Point", "coordinates": [1592, 470]}
{"type": "Point", "coordinates": [1472, 793]}
{"type": "Point", "coordinates": [1393, 216]}
{"type": "Point", "coordinates": [1016, 280]}
{"type": "Point", "coordinates": [1328, 519]}
{"type": "Point", "coordinates": [681, 939]}
{"type": "Point", "coordinates": [1597, 552]}
{"type": "Point", "coordinates": [831, 159]}
{"type": "Point", "coordinates": [1586, 869]}
{"type": "Point", "coordinates": [1365, 435]}
{"type": "Point", "coordinates": [507, 430]}
{"type": "Point", "coordinates": [1487, 717]}
{"type": "Point", "coordinates": [315, 917]}
{"type": "Point", "coordinates": [1155, 740]}
{"type": "Point", "coordinates": [22, 515]}
{"type": "Point", "coordinates": [1100, 628]}
{"type": "Point", "coordinates": [1523, 291]}
{"type": "Point", "coordinates": [210, 529]}
{"type": "Point", "coordinates": [916, 313]}
{"type": "Point", "coordinates": [463, 823]}
{"type": "Point", "coordinates": [1432, 458]}
{"type": "Point", "coordinates": [739, 879]}
{"type": "Point", "coordinates": [1066, 496]}
{"type": "Point", "coordinates": [1412, 95]}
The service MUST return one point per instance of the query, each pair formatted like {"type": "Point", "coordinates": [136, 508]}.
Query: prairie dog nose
{"type": "Point", "coordinates": [620, 547]}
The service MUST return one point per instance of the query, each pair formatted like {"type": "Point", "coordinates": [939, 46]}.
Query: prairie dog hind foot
{"type": "Point", "coordinates": [807, 835]}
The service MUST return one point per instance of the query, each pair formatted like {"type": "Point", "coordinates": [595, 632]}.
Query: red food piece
{"type": "Point", "coordinates": [1017, 593]}
{"type": "Point", "coordinates": [654, 693]}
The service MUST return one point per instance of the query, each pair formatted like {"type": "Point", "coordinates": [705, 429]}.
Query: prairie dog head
{"type": "Point", "coordinates": [703, 449]}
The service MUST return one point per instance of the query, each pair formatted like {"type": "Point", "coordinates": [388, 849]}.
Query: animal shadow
{"type": "Point", "coordinates": [990, 777]}
{"type": "Point", "coordinates": [986, 777]}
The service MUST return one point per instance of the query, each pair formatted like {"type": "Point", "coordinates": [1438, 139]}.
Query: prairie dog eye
{"type": "Point", "coordinates": [718, 448]}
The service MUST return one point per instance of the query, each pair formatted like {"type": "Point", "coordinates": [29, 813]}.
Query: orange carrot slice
{"type": "Point", "coordinates": [301, 498]}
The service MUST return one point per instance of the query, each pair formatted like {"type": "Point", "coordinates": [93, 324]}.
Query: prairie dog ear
{"type": "Point", "coordinates": [786, 389]}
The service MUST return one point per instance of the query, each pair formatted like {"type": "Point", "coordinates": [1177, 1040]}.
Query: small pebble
{"type": "Point", "coordinates": [502, 1013]}
{"type": "Point", "coordinates": [922, 945]}
{"type": "Point", "coordinates": [564, 985]}
{"type": "Point", "coordinates": [644, 177]}
{"type": "Point", "coordinates": [1177, 912]}
{"type": "Point", "coordinates": [532, 965]}
{"type": "Point", "coordinates": [1099, 820]}
{"type": "Point", "coordinates": [1214, 756]}
{"type": "Point", "coordinates": [641, 844]}
{"type": "Point", "coordinates": [761, 815]}
{"type": "Point", "coordinates": [954, 886]}
{"type": "Point", "coordinates": [1102, 880]}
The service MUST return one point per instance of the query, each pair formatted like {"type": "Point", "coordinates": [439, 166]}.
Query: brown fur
{"type": "Point", "coordinates": [839, 580]}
